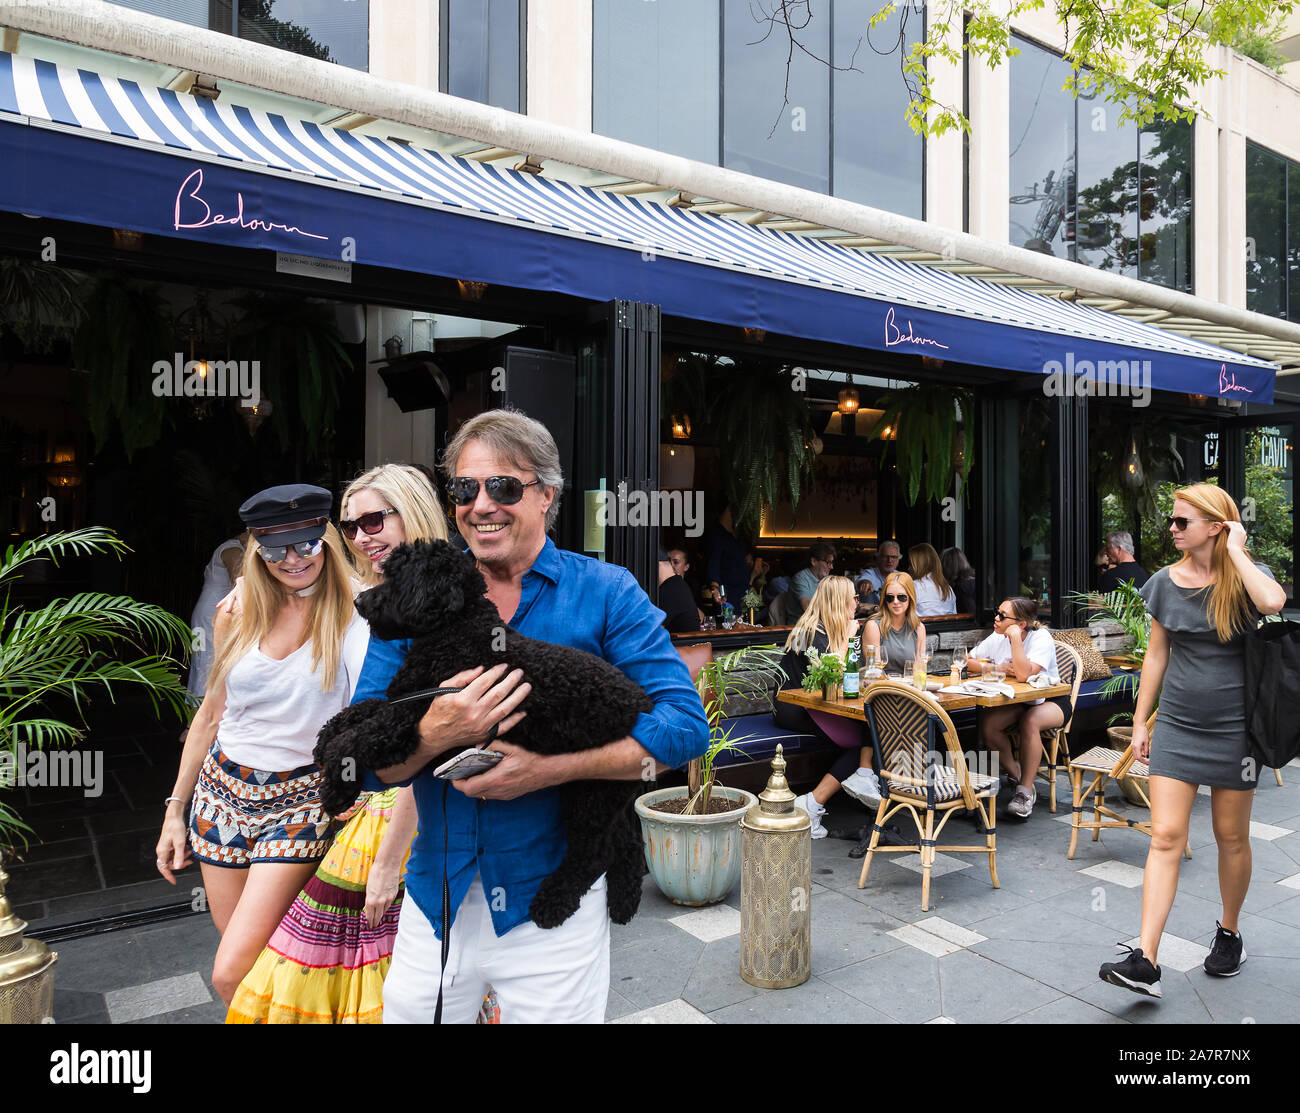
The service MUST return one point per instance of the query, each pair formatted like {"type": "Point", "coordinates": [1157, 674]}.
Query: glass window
{"type": "Point", "coordinates": [760, 135]}
{"type": "Point", "coordinates": [876, 158]}
{"type": "Point", "coordinates": [1105, 229]}
{"type": "Point", "coordinates": [651, 84]}
{"type": "Point", "coordinates": [1266, 213]}
{"type": "Point", "coordinates": [1270, 482]}
{"type": "Point", "coordinates": [1042, 153]}
{"type": "Point", "coordinates": [1165, 203]}
{"type": "Point", "coordinates": [481, 51]}
{"type": "Point", "coordinates": [193, 12]}
{"type": "Point", "coordinates": [325, 29]}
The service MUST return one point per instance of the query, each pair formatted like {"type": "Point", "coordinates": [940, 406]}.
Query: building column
{"type": "Point", "coordinates": [989, 159]}
{"type": "Point", "coordinates": [404, 41]}
{"type": "Point", "coordinates": [559, 62]}
{"type": "Point", "coordinates": [945, 189]}
{"type": "Point", "coordinates": [1071, 545]}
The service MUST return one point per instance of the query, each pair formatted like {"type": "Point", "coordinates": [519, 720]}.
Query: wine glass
{"type": "Point", "coordinates": [882, 659]}
{"type": "Point", "coordinates": [908, 666]}
{"type": "Point", "coordinates": [959, 659]}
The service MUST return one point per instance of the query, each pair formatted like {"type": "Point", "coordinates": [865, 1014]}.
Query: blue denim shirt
{"type": "Point", "coordinates": [513, 845]}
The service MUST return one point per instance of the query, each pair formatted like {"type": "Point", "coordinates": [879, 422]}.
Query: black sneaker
{"type": "Point", "coordinates": [1226, 953]}
{"type": "Point", "coordinates": [1134, 971]}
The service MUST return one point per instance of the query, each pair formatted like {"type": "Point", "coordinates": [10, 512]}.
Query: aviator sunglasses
{"type": "Point", "coordinates": [894, 598]}
{"type": "Point", "coordinates": [370, 522]}
{"type": "Point", "coordinates": [273, 554]}
{"type": "Point", "coordinates": [1180, 523]}
{"type": "Point", "coordinates": [504, 490]}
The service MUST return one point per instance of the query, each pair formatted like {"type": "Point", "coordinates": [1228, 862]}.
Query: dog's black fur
{"type": "Point", "coordinates": [433, 593]}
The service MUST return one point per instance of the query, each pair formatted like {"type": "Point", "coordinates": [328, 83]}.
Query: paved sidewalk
{"type": "Point", "coordinates": [1025, 953]}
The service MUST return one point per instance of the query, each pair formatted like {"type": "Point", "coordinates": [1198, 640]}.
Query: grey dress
{"type": "Point", "coordinates": [1200, 732]}
{"type": "Point", "coordinates": [900, 646]}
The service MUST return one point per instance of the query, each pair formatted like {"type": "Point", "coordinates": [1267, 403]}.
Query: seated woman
{"type": "Point", "coordinates": [934, 595]}
{"type": "Point", "coordinates": [827, 626]}
{"type": "Point", "coordinates": [1024, 649]}
{"type": "Point", "coordinates": [959, 573]}
{"type": "Point", "coordinates": [896, 625]}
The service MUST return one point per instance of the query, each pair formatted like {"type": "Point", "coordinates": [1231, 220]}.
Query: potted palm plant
{"type": "Point", "coordinates": [692, 835]}
{"type": "Point", "coordinates": [53, 659]}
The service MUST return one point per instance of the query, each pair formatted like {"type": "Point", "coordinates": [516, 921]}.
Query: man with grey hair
{"type": "Point", "coordinates": [888, 555]}
{"type": "Point", "coordinates": [486, 843]}
{"type": "Point", "coordinates": [1119, 547]}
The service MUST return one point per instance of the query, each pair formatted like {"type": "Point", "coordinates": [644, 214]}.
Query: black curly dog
{"type": "Point", "coordinates": [435, 595]}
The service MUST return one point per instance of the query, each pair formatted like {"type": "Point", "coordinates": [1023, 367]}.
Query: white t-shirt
{"type": "Point", "coordinates": [275, 709]}
{"type": "Point", "coordinates": [928, 601]}
{"type": "Point", "coordinates": [1040, 648]}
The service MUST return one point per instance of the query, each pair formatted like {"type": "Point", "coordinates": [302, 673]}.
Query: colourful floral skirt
{"type": "Point", "coordinates": [325, 964]}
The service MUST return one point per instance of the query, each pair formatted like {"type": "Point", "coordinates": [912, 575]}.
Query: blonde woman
{"type": "Point", "coordinates": [896, 625]}
{"type": "Point", "coordinates": [284, 665]}
{"type": "Point", "coordinates": [934, 595]}
{"type": "Point", "coordinates": [1200, 608]}
{"type": "Point", "coordinates": [327, 960]}
{"type": "Point", "coordinates": [826, 626]}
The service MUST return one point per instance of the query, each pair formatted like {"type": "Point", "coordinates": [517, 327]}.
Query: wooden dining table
{"type": "Point", "coordinates": [855, 707]}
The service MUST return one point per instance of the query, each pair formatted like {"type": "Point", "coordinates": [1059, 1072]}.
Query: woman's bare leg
{"type": "Point", "coordinates": [1230, 809]}
{"type": "Point", "coordinates": [1171, 811]}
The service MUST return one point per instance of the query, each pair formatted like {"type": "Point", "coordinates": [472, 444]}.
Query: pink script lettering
{"type": "Point", "coordinates": [894, 337]}
{"type": "Point", "coordinates": [1228, 381]}
{"type": "Point", "coordinates": [190, 193]}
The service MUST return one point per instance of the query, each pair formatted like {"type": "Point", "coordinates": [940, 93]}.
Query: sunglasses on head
{"type": "Point", "coordinates": [273, 554]}
{"type": "Point", "coordinates": [504, 490]}
{"type": "Point", "coordinates": [1180, 523]}
{"type": "Point", "coordinates": [370, 522]}
{"type": "Point", "coordinates": [894, 598]}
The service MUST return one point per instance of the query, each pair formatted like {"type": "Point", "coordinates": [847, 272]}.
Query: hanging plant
{"type": "Point", "coordinates": [765, 442]}
{"type": "Point", "coordinates": [1111, 443]}
{"type": "Point", "coordinates": [40, 303]}
{"type": "Point", "coordinates": [924, 427]}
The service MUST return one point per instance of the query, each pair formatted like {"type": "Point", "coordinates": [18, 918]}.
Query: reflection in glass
{"type": "Point", "coordinates": [787, 143]}
{"type": "Point", "coordinates": [482, 51]}
{"type": "Point", "coordinates": [325, 29]}
{"type": "Point", "coordinates": [1266, 190]}
{"type": "Point", "coordinates": [1042, 152]}
{"type": "Point", "coordinates": [1106, 231]}
{"type": "Point", "coordinates": [1270, 482]}
{"type": "Point", "coordinates": [193, 12]}
{"type": "Point", "coordinates": [1035, 497]}
{"type": "Point", "coordinates": [1165, 203]}
{"type": "Point", "coordinates": [876, 157]}
{"type": "Point", "coordinates": [651, 84]}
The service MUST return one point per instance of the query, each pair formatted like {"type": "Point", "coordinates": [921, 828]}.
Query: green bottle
{"type": "Point", "coordinates": [852, 681]}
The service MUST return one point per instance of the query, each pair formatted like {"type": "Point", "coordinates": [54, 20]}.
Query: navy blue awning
{"type": "Point", "coordinates": [77, 145]}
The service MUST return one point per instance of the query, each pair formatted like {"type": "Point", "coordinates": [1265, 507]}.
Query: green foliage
{"type": "Point", "coordinates": [824, 669]}
{"type": "Point", "coordinates": [127, 328]}
{"type": "Point", "coordinates": [39, 302]}
{"type": "Point", "coordinates": [1125, 607]}
{"type": "Point", "coordinates": [1109, 444]}
{"type": "Point", "coordinates": [924, 421]}
{"type": "Point", "coordinates": [1271, 534]}
{"type": "Point", "coordinates": [751, 671]}
{"type": "Point", "coordinates": [1147, 55]}
{"type": "Point", "coordinates": [72, 648]}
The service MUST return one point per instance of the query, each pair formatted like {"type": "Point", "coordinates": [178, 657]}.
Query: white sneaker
{"type": "Point", "coordinates": [1022, 804]}
{"type": "Point", "coordinates": [815, 812]}
{"type": "Point", "coordinates": [863, 786]}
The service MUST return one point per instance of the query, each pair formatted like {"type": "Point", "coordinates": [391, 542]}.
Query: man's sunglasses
{"type": "Point", "coordinates": [894, 598]}
{"type": "Point", "coordinates": [504, 490]}
{"type": "Point", "coordinates": [273, 554]}
{"type": "Point", "coordinates": [1180, 523]}
{"type": "Point", "coordinates": [1000, 617]}
{"type": "Point", "coordinates": [370, 522]}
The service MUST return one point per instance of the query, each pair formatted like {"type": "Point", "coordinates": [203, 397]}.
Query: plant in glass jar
{"type": "Point", "coordinates": [825, 672]}
{"type": "Point", "coordinates": [751, 603]}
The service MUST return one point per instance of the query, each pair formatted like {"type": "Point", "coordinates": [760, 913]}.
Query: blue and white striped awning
{"type": "Point", "coordinates": [82, 146]}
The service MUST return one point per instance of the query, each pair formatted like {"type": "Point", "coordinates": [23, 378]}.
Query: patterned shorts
{"type": "Point", "coordinates": [241, 815]}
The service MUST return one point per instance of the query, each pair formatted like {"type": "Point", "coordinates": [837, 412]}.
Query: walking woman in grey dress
{"type": "Point", "coordinates": [1200, 609]}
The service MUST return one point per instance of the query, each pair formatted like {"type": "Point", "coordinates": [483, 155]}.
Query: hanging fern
{"type": "Point", "coordinates": [925, 419]}
{"type": "Point", "coordinates": [40, 302]}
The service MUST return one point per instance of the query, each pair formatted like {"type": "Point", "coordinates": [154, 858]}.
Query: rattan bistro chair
{"type": "Point", "coordinates": [1104, 765]}
{"type": "Point", "coordinates": [926, 783]}
{"type": "Point", "coordinates": [1056, 742]}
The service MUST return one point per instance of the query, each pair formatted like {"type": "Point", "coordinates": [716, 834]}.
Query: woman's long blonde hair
{"type": "Point", "coordinates": [1229, 604]}
{"type": "Point", "coordinates": [827, 611]}
{"type": "Point", "coordinates": [883, 618]}
{"type": "Point", "coordinates": [924, 561]}
{"type": "Point", "coordinates": [408, 491]}
{"type": "Point", "coordinates": [331, 611]}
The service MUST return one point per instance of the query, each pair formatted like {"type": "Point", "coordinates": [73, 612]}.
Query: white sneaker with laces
{"type": "Point", "coordinates": [864, 787]}
{"type": "Point", "coordinates": [815, 812]}
{"type": "Point", "coordinates": [1022, 804]}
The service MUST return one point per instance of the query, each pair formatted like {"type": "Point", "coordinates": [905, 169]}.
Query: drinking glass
{"type": "Point", "coordinates": [959, 659]}
{"type": "Point", "coordinates": [907, 672]}
{"type": "Point", "coordinates": [997, 673]}
{"type": "Point", "coordinates": [882, 658]}
{"type": "Point", "coordinates": [921, 672]}
{"type": "Point", "coordinates": [869, 660]}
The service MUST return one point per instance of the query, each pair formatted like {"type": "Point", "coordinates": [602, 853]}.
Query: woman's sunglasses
{"type": "Point", "coordinates": [894, 598]}
{"type": "Point", "coordinates": [504, 490]}
{"type": "Point", "coordinates": [370, 522]}
{"type": "Point", "coordinates": [1180, 523]}
{"type": "Point", "coordinates": [273, 554]}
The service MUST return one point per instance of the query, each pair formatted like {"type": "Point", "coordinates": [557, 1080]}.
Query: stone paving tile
{"type": "Point", "coordinates": [710, 924]}
{"type": "Point", "coordinates": [953, 933]}
{"type": "Point", "coordinates": [643, 929]}
{"type": "Point", "coordinates": [1115, 872]}
{"type": "Point", "coordinates": [845, 931]}
{"type": "Point", "coordinates": [212, 1013]}
{"type": "Point", "coordinates": [902, 984]}
{"type": "Point", "coordinates": [1287, 912]}
{"type": "Point", "coordinates": [1266, 936]}
{"type": "Point", "coordinates": [44, 881]}
{"type": "Point", "coordinates": [617, 1005]}
{"type": "Point", "coordinates": [715, 982]}
{"type": "Point", "coordinates": [814, 1002]}
{"type": "Point", "coordinates": [1177, 953]}
{"type": "Point", "coordinates": [671, 1012]}
{"type": "Point", "coordinates": [977, 990]}
{"type": "Point", "coordinates": [1067, 1010]}
{"type": "Point", "coordinates": [77, 1006]}
{"type": "Point", "coordinates": [1048, 922]}
{"type": "Point", "coordinates": [1203, 881]}
{"type": "Point", "coordinates": [651, 973]}
{"type": "Point", "coordinates": [1267, 832]}
{"type": "Point", "coordinates": [943, 863]}
{"type": "Point", "coordinates": [924, 942]}
{"type": "Point", "coordinates": [1292, 882]}
{"type": "Point", "coordinates": [166, 995]}
{"type": "Point", "coordinates": [1247, 995]}
{"type": "Point", "coordinates": [1180, 1004]}
{"type": "Point", "coordinates": [1066, 967]}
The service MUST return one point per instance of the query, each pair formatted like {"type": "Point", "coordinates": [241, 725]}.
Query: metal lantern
{"type": "Point", "coordinates": [776, 887]}
{"type": "Point", "coordinates": [26, 970]}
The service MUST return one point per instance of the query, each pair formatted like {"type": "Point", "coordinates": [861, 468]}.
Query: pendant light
{"type": "Point", "coordinates": [1133, 475]}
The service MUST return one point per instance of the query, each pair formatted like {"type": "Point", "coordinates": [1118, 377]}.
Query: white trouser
{"type": "Point", "coordinates": [555, 975]}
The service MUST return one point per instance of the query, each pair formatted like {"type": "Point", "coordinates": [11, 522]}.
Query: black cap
{"type": "Point", "coordinates": [298, 505]}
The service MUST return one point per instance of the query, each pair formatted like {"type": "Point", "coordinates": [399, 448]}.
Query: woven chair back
{"type": "Point", "coordinates": [903, 722]}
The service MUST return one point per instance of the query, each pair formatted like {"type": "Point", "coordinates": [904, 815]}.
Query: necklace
{"type": "Point", "coordinates": [303, 592]}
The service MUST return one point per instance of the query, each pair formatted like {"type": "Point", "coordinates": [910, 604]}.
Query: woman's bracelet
{"type": "Point", "coordinates": [171, 798]}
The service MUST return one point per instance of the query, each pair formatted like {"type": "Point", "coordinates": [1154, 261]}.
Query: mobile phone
{"type": "Point", "coordinates": [467, 763]}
